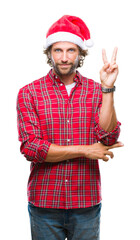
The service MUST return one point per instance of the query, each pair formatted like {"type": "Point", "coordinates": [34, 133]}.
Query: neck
{"type": "Point", "coordinates": [66, 79]}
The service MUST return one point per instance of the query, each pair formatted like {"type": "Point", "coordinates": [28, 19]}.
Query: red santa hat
{"type": "Point", "coordinates": [70, 29]}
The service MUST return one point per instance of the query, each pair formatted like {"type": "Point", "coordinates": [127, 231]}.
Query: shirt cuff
{"type": "Point", "coordinates": [42, 152]}
{"type": "Point", "coordinates": [108, 138]}
{"type": "Point", "coordinates": [36, 150]}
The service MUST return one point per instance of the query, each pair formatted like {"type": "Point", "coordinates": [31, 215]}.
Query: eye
{"type": "Point", "coordinates": [71, 50]}
{"type": "Point", "coordinates": [57, 50]}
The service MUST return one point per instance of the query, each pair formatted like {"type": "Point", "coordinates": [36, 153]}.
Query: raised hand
{"type": "Point", "coordinates": [109, 71]}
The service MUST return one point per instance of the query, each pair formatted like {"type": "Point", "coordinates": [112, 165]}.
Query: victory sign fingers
{"type": "Point", "coordinates": [114, 56]}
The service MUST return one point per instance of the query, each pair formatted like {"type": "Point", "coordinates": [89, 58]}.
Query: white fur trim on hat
{"type": "Point", "coordinates": [64, 36]}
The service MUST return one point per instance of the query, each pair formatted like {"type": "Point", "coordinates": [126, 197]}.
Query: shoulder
{"type": "Point", "coordinates": [33, 86]}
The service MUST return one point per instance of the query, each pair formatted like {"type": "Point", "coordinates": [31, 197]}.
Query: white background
{"type": "Point", "coordinates": [22, 35]}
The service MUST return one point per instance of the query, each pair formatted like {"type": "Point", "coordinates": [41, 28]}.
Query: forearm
{"type": "Point", "coordinates": [107, 117]}
{"type": "Point", "coordinates": [95, 151]}
{"type": "Point", "coordinates": [61, 153]}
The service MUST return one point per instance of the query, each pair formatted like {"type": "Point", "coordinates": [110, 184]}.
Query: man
{"type": "Point", "coordinates": [66, 123]}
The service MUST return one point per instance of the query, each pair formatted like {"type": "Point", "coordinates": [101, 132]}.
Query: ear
{"type": "Point", "coordinates": [49, 54]}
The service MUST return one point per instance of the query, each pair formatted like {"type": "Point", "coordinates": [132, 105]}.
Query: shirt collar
{"type": "Point", "coordinates": [54, 78]}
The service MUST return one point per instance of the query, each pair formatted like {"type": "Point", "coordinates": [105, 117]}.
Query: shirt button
{"type": "Point", "coordinates": [66, 180]}
{"type": "Point", "coordinates": [68, 140]}
{"type": "Point", "coordinates": [61, 84]}
{"type": "Point", "coordinates": [68, 121]}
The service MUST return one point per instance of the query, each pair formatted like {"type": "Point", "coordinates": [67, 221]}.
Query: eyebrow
{"type": "Point", "coordinates": [55, 48]}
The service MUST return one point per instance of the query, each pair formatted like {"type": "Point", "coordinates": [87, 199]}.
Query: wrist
{"type": "Point", "coordinates": [108, 89]}
{"type": "Point", "coordinates": [105, 85]}
{"type": "Point", "coordinates": [81, 150]}
{"type": "Point", "coordinates": [84, 150]}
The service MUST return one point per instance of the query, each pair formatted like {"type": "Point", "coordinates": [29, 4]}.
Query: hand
{"type": "Point", "coordinates": [99, 151]}
{"type": "Point", "coordinates": [109, 71]}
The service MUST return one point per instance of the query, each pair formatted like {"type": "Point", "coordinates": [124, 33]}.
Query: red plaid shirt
{"type": "Point", "coordinates": [46, 114]}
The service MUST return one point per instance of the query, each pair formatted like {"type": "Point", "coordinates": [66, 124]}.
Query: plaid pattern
{"type": "Point", "coordinates": [47, 115]}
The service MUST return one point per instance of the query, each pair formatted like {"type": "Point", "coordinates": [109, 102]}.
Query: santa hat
{"type": "Point", "coordinates": [70, 29]}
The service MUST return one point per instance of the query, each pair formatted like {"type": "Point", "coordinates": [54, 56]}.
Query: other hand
{"type": "Point", "coordinates": [100, 151]}
{"type": "Point", "coordinates": [109, 71]}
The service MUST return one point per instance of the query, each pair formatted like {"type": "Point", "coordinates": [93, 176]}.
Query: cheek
{"type": "Point", "coordinates": [55, 59]}
{"type": "Point", "coordinates": [76, 60]}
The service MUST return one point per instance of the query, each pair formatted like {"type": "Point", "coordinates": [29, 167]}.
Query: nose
{"type": "Point", "coordinates": [64, 56]}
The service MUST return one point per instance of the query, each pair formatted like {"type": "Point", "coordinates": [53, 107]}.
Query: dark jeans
{"type": "Point", "coordinates": [73, 224]}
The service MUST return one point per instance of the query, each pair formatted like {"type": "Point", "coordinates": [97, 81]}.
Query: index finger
{"type": "Point", "coordinates": [104, 56]}
{"type": "Point", "coordinates": [114, 55]}
{"type": "Point", "coordinates": [116, 145]}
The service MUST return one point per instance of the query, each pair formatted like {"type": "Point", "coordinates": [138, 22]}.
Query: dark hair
{"type": "Point", "coordinates": [82, 53]}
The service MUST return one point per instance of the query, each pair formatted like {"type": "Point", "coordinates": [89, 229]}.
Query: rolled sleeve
{"type": "Point", "coordinates": [33, 146]}
{"type": "Point", "coordinates": [108, 138]}
{"type": "Point", "coordinates": [35, 150]}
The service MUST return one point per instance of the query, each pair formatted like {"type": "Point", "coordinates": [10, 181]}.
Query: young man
{"type": "Point", "coordinates": [66, 123]}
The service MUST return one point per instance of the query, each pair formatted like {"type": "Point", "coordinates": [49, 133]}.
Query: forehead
{"type": "Point", "coordinates": [64, 45]}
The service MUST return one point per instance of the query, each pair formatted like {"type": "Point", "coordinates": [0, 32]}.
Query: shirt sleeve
{"type": "Point", "coordinates": [33, 146]}
{"type": "Point", "coordinates": [107, 138]}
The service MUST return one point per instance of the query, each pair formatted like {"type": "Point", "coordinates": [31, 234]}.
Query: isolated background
{"type": "Point", "coordinates": [22, 35]}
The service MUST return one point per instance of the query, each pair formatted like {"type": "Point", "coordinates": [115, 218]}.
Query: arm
{"type": "Point", "coordinates": [58, 153]}
{"type": "Point", "coordinates": [95, 151]}
{"type": "Point", "coordinates": [107, 117]}
{"type": "Point", "coordinates": [107, 127]}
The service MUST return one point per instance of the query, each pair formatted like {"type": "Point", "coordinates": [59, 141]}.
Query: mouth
{"type": "Point", "coordinates": [64, 65]}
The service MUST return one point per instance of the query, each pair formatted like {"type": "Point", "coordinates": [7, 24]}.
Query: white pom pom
{"type": "Point", "coordinates": [89, 43]}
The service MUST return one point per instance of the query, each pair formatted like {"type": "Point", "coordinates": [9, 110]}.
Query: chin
{"type": "Point", "coordinates": [65, 71]}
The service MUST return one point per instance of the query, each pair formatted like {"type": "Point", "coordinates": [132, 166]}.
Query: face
{"type": "Point", "coordinates": [65, 57]}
